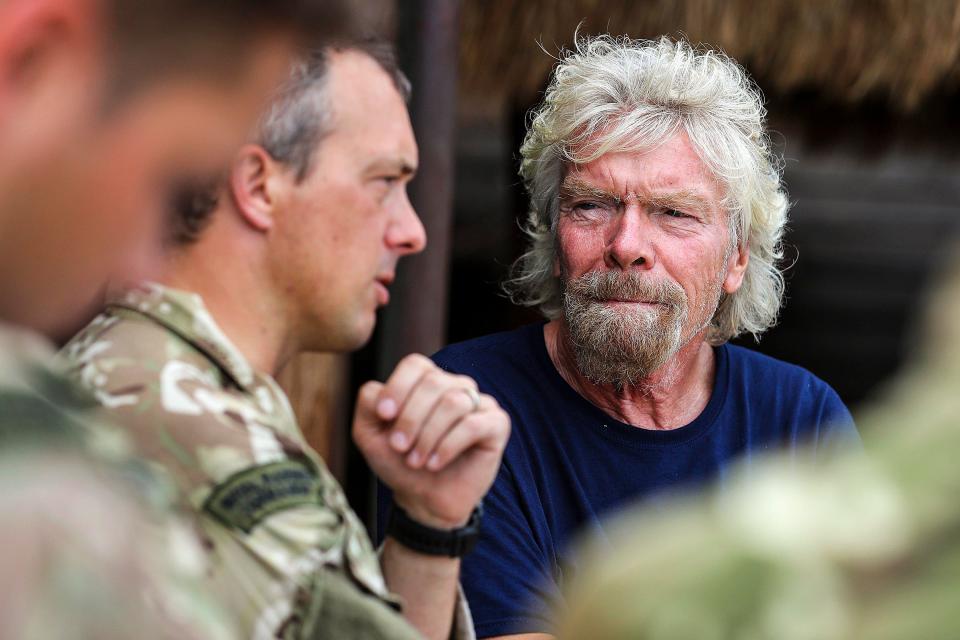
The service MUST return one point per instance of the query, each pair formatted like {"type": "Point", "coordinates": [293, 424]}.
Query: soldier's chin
{"type": "Point", "coordinates": [360, 335]}
{"type": "Point", "coordinates": [336, 335]}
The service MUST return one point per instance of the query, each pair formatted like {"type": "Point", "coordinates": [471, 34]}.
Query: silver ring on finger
{"type": "Point", "coordinates": [474, 397]}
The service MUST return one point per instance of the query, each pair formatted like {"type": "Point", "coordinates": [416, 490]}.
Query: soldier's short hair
{"type": "Point", "coordinates": [290, 130]}
{"type": "Point", "coordinates": [299, 116]}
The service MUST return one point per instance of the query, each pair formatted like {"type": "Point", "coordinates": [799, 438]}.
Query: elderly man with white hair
{"type": "Point", "coordinates": [657, 211]}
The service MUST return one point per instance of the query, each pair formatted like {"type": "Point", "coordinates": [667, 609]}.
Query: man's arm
{"type": "Point", "coordinates": [427, 584]}
{"type": "Point", "coordinates": [437, 444]}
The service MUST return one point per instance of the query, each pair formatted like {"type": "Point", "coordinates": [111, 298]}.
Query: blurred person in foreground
{"type": "Point", "coordinates": [657, 210]}
{"type": "Point", "coordinates": [104, 106]}
{"type": "Point", "coordinates": [864, 547]}
{"type": "Point", "coordinates": [294, 250]}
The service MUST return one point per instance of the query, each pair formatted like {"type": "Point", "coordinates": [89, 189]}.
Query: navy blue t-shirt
{"type": "Point", "coordinates": [568, 463]}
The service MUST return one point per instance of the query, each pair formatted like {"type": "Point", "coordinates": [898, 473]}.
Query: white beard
{"type": "Point", "coordinates": [621, 344]}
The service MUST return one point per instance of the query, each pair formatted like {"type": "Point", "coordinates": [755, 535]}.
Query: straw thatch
{"type": "Point", "coordinates": [900, 50]}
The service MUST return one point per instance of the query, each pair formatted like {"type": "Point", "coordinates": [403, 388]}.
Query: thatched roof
{"type": "Point", "coordinates": [901, 50]}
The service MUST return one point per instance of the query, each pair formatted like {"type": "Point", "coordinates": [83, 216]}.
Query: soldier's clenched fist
{"type": "Point", "coordinates": [432, 438]}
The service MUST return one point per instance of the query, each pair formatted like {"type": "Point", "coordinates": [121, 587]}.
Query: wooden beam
{"type": "Point", "coordinates": [416, 319]}
{"type": "Point", "coordinates": [318, 387]}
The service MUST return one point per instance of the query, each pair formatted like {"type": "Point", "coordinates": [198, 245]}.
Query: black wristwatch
{"type": "Point", "coordinates": [454, 543]}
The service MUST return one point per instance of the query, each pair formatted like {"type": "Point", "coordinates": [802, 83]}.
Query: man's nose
{"type": "Point", "coordinates": [406, 234]}
{"type": "Point", "coordinates": [630, 243]}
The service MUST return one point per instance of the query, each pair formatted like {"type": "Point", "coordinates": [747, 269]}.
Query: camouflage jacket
{"type": "Point", "coordinates": [288, 554]}
{"type": "Point", "coordinates": [89, 545]}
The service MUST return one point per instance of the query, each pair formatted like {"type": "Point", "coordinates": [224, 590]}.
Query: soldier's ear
{"type": "Point", "coordinates": [253, 188]}
{"type": "Point", "coordinates": [47, 49]}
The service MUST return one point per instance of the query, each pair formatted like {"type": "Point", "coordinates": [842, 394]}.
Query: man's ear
{"type": "Point", "coordinates": [46, 40]}
{"type": "Point", "coordinates": [736, 268]}
{"type": "Point", "coordinates": [255, 182]}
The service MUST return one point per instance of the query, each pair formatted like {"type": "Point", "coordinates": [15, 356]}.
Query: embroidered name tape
{"type": "Point", "coordinates": [248, 497]}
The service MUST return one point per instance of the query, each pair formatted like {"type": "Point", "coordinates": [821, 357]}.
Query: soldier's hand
{"type": "Point", "coordinates": [432, 438]}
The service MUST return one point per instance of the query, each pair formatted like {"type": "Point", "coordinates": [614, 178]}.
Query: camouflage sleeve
{"type": "Point", "coordinates": [790, 552]}
{"type": "Point", "coordinates": [66, 574]}
{"type": "Point", "coordinates": [277, 529]}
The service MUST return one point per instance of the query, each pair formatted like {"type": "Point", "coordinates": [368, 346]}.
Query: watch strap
{"type": "Point", "coordinates": [453, 543]}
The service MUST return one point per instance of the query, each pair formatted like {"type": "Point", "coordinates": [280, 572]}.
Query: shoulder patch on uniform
{"type": "Point", "coordinates": [248, 497]}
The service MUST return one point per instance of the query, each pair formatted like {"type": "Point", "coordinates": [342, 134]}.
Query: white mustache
{"type": "Point", "coordinates": [632, 287]}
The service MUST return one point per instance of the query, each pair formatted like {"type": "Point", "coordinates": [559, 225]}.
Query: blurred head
{"type": "Point", "coordinates": [322, 195]}
{"type": "Point", "coordinates": [104, 106]}
{"type": "Point", "coordinates": [633, 97]}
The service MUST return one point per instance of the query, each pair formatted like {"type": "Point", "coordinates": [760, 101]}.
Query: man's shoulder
{"type": "Point", "coordinates": [78, 531]}
{"type": "Point", "coordinates": [121, 352]}
{"type": "Point", "coordinates": [40, 407]}
{"type": "Point", "coordinates": [119, 332]}
{"type": "Point", "coordinates": [756, 366]}
{"type": "Point", "coordinates": [777, 388]}
{"type": "Point", "coordinates": [491, 350]}
{"type": "Point", "coordinates": [165, 393]}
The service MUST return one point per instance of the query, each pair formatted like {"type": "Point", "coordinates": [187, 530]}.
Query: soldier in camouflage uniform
{"type": "Point", "coordinates": [64, 573]}
{"type": "Point", "coordinates": [866, 548]}
{"type": "Point", "coordinates": [273, 514]}
{"type": "Point", "coordinates": [190, 376]}
{"type": "Point", "coordinates": [88, 545]}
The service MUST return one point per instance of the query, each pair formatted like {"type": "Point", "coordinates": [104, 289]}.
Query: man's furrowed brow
{"type": "Point", "coordinates": [572, 188]}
